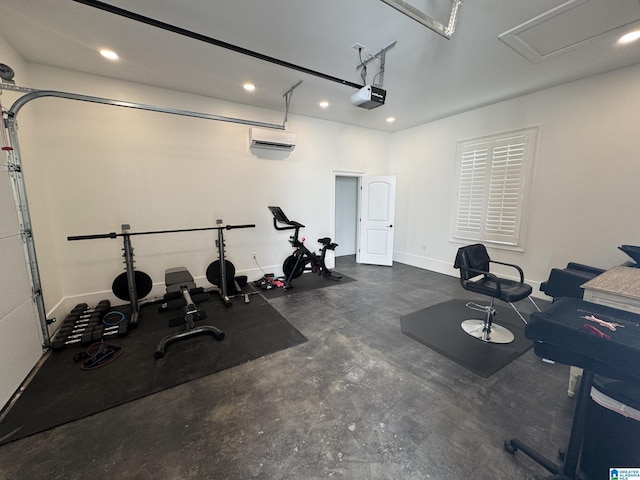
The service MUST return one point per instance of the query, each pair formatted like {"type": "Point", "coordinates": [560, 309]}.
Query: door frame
{"type": "Point", "coordinates": [332, 209]}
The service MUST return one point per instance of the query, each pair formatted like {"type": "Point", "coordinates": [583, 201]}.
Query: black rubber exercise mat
{"type": "Point", "coordinates": [438, 327]}
{"type": "Point", "coordinates": [61, 391]}
{"type": "Point", "coordinates": [304, 283]}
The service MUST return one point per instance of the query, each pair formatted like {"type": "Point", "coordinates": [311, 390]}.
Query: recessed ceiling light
{"type": "Point", "coordinates": [391, 119]}
{"type": "Point", "coordinates": [323, 104]}
{"type": "Point", "coordinates": [110, 54]}
{"type": "Point", "coordinates": [249, 87]}
{"type": "Point", "coordinates": [629, 37]}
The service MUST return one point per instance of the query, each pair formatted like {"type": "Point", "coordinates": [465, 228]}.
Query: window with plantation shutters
{"type": "Point", "coordinates": [492, 186]}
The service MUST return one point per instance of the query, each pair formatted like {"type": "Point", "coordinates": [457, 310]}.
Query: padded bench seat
{"type": "Point", "coordinates": [560, 335]}
{"type": "Point", "coordinates": [566, 282]}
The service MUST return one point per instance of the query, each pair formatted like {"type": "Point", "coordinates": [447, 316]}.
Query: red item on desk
{"type": "Point", "coordinates": [597, 332]}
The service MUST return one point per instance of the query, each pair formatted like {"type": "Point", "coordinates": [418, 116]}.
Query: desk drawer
{"type": "Point", "coordinates": [613, 301]}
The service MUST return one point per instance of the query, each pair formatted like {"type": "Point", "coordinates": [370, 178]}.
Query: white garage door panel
{"type": "Point", "coordinates": [14, 281]}
{"type": "Point", "coordinates": [19, 348]}
{"type": "Point", "coordinates": [21, 336]}
{"type": "Point", "coordinates": [8, 217]}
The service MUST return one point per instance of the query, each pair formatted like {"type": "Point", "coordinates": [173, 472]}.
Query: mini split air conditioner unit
{"type": "Point", "coordinates": [272, 139]}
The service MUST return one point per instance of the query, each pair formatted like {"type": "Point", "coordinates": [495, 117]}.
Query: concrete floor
{"type": "Point", "coordinates": [359, 400]}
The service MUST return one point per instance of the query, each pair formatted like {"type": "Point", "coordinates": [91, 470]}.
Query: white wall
{"type": "Point", "coordinates": [585, 190]}
{"type": "Point", "coordinates": [95, 167]}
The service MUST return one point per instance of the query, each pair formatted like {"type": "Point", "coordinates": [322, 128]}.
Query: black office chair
{"type": "Point", "coordinates": [473, 261]}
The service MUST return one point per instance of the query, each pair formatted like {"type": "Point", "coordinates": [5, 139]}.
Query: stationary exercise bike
{"type": "Point", "coordinates": [302, 258]}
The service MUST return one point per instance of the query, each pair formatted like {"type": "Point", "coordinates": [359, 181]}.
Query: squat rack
{"type": "Point", "coordinates": [130, 270]}
{"type": "Point", "coordinates": [14, 167]}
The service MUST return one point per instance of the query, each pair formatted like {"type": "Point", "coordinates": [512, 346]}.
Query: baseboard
{"type": "Point", "coordinates": [425, 263]}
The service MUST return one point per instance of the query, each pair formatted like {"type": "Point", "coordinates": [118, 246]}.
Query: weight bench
{"type": "Point", "coordinates": [183, 293]}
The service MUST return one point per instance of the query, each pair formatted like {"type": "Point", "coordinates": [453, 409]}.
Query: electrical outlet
{"type": "Point", "coordinates": [253, 254]}
{"type": "Point", "coordinates": [359, 46]}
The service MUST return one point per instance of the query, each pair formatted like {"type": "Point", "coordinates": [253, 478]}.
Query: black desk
{"type": "Point", "coordinates": [560, 335]}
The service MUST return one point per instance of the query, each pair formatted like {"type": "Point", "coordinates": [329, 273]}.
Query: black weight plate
{"type": "Point", "coordinates": [213, 273]}
{"type": "Point", "coordinates": [120, 285]}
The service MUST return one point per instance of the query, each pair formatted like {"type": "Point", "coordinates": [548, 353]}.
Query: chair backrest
{"type": "Point", "coordinates": [472, 256]}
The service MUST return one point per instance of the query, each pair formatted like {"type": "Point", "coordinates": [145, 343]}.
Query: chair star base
{"type": "Point", "coordinates": [492, 333]}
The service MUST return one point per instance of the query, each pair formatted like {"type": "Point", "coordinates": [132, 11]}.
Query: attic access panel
{"type": "Point", "coordinates": [569, 26]}
{"type": "Point", "coordinates": [420, 16]}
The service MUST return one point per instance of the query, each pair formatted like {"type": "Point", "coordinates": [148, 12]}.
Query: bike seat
{"type": "Point", "coordinates": [324, 240]}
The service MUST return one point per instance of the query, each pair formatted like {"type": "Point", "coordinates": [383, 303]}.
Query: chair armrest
{"type": "Point", "coordinates": [513, 266]}
{"type": "Point", "coordinates": [488, 274]}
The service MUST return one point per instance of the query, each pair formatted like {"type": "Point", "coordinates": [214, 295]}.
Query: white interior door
{"type": "Point", "coordinates": [377, 215]}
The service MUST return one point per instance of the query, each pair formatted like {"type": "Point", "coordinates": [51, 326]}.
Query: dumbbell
{"type": "Point", "coordinates": [78, 325]}
{"type": "Point", "coordinates": [82, 309]}
{"type": "Point", "coordinates": [78, 309]}
{"type": "Point", "coordinates": [101, 331]}
{"type": "Point", "coordinates": [99, 310]}
{"type": "Point", "coordinates": [75, 328]}
{"type": "Point", "coordinates": [61, 342]}
{"type": "Point", "coordinates": [102, 307]}
{"type": "Point", "coordinates": [113, 323]}
{"type": "Point", "coordinates": [74, 314]}
{"type": "Point", "coordinates": [77, 317]}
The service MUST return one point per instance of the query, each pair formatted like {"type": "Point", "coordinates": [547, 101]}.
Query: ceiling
{"type": "Point", "coordinates": [426, 75]}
